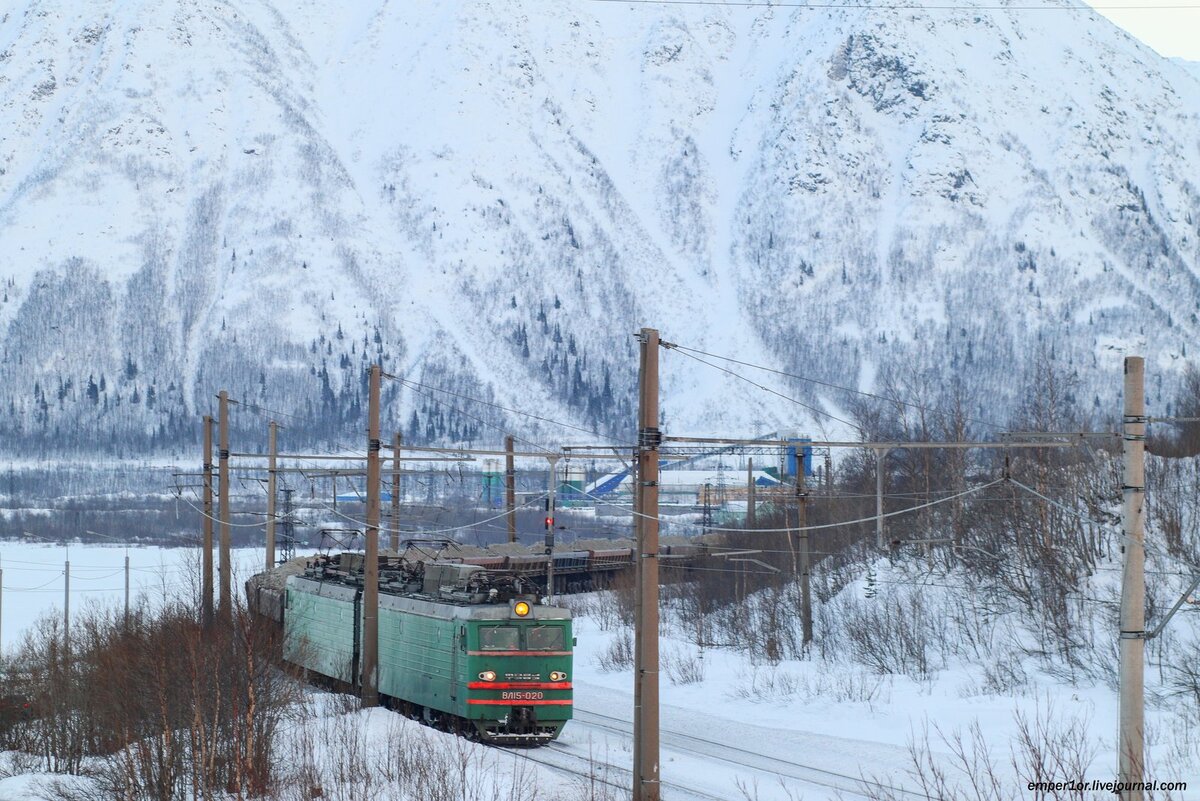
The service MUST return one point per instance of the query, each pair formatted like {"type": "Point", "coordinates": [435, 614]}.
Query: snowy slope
{"type": "Point", "coordinates": [491, 197]}
{"type": "Point", "coordinates": [1191, 66]}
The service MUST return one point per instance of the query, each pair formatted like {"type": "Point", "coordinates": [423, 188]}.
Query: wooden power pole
{"type": "Point", "coordinates": [646, 785]}
{"type": "Point", "coordinates": [1131, 731]}
{"type": "Point", "coordinates": [206, 579]}
{"type": "Point", "coordinates": [551, 510]}
{"type": "Point", "coordinates": [806, 620]}
{"type": "Point", "coordinates": [510, 488]}
{"type": "Point", "coordinates": [272, 452]}
{"type": "Point", "coordinates": [225, 604]}
{"type": "Point", "coordinates": [370, 640]}
{"type": "Point", "coordinates": [394, 539]}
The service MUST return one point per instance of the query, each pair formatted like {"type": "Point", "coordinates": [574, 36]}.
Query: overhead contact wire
{"type": "Point", "coordinates": [819, 382]}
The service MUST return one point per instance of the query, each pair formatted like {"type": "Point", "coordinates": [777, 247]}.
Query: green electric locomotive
{"type": "Point", "coordinates": [459, 646]}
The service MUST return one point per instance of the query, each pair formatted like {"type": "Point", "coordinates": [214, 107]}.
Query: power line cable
{"type": "Point", "coordinates": [202, 513]}
{"type": "Point", "coordinates": [98, 578]}
{"type": "Point", "coordinates": [349, 518]}
{"type": "Point", "coordinates": [764, 388]}
{"type": "Point", "coordinates": [413, 385]}
{"type": "Point", "coordinates": [1103, 526]}
{"type": "Point", "coordinates": [479, 420]}
{"type": "Point", "coordinates": [830, 385]}
{"type": "Point", "coordinates": [34, 589]}
{"type": "Point", "coordinates": [907, 510]}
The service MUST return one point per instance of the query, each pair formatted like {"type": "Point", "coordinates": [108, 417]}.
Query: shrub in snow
{"type": "Point", "coordinates": [619, 653]}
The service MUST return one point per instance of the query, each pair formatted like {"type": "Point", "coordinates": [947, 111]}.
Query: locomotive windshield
{"type": "Point", "coordinates": [499, 638]}
{"type": "Point", "coordinates": [544, 638]}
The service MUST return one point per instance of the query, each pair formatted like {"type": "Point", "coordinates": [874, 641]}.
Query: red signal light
{"type": "Point", "coordinates": [549, 523]}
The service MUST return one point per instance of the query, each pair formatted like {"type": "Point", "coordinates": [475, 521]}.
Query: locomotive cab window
{"type": "Point", "coordinates": [544, 638]}
{"type": "Point", "coordinates": [499, 638]}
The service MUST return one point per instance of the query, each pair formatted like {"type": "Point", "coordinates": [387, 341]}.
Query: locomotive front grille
{"type": "Point", "coordinates": [520, 727]}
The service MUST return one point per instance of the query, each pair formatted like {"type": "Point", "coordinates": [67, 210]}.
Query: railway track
{"type": "Point", "coordinates": [588, 767]}
{"type": "Point", "coordinates": [727, 753]}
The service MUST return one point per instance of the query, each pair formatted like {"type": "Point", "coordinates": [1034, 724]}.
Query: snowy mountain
{"type": "Point", "coordinates": [491, 197]}
{"type": "Point", "coordinates": [1191, 66]}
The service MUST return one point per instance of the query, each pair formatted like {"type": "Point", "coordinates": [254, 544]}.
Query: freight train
{"type": "Point", "coordinates": [459, 646]}
{"type": "Point", "coordinates": [586, 570]}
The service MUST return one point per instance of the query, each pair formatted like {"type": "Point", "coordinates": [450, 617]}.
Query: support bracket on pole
{"type": "Point", "coordinates": [649, 439]}
{"type": "Point", "coordinates": [1186, 597]}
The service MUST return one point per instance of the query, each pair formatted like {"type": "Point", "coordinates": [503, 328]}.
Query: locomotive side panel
{"type": "Point", "coordinates": [416, 658]}
{"type": "Point", "coordinates": [321, 629]}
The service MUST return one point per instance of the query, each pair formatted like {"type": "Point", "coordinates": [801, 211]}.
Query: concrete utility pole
{"type": "Point", "coordinates": [880, 455]}
{"type": "Point", "coordinates": [806, 620]}
{"type": "Point", "coordinates": [646, 785]}
{"type": "Point", "coordinates": [206, 579]}
{"type": "Point", "coordinates": [126, 589]}
{"type": "Point", "coordinates": [510, 488]}
{"type": "Point", "coordinates": [751, 512]}
{"type": "Point", "coordinates": [272, 452]}
{"type": "Point", "coordinates": [370, 641]}
{"type": "Point", "coordinates": [67, 603]}
{"type": "Point", "coordinates": [225, 605]}
{"type": "Point", "coordinates": [1, 613]}
{"type": "Point", "coordinates": [1130, 736]}
{"type": "Point", "coordinates": [394, 540]}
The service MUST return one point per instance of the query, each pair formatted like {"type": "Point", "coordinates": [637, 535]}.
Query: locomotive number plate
{"type": "Point", "coordinates": [522, 696]}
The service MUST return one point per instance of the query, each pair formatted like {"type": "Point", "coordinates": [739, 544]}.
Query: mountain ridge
{"type": "Point", "coordinates": [491, 198]}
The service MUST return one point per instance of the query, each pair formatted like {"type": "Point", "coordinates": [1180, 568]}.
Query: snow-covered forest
{"type": "Point", "coordinates": [267, 197]}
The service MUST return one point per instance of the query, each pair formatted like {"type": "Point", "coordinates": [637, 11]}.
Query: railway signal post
{"type": "Point", "coordinates": [646, 785]}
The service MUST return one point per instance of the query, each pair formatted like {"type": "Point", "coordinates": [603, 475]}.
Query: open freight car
{"type": "Point", "coordinates": [459, 646]}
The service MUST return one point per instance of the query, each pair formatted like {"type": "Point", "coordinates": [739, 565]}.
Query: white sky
{"type": "Point", "coordinates": [1173, 32]}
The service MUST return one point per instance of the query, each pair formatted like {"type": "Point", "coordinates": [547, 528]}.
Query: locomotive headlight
{"type": "Point", "coordinates": [487, 675]}
{"type": "Point", "coordinates": [521, 608]}
{"type": "Point", "coordinates": [557, 675]}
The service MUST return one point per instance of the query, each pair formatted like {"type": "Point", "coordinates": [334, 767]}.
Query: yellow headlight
{"type": "Point", "coordinates": [557, 675]}
{"type": "Point", "coordinates": [521, 608]}
{"type": "Point", "coordinates": [488, 675]}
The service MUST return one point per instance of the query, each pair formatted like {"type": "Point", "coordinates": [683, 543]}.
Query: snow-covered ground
{"type": "Point", "coordinates": [746, 728]}
{"type": "Point", "coordinates": [34, 578]}
{"type": "Point", "coordinates": [815, 726]}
